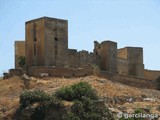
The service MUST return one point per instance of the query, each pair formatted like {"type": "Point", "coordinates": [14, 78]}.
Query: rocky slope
{"type": "Point", "coordinates": [118, 97]}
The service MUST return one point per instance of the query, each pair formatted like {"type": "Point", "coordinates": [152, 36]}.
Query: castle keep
{"type": "Point", "coordinates": [46, 45]}
{"type": "Point", "coordinates": [46, 42]}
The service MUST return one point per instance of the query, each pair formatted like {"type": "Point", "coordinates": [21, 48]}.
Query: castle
{"type": "Point", "coordinates": [46, 45]}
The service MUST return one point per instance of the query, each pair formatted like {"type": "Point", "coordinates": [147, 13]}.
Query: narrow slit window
{"type": "Point", "coordinates": [56, 39]}
{"type": "Point", "coordinates": [35, 39]}
{"type": "Point", "coordinates": [35, 50]}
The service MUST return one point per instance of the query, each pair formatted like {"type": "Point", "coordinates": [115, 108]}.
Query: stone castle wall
{"type": "Point", "coordinates": [46, 51]}
{"type": "Point", "coordinates": [134, 61]}
{"type": "Point", "coordinates": [86, 58]}
{"type": "Point", "coordinates": [60, 71]}
{"type": "Point", "coordinates": [151, 74]}
{"type": "Point", "coordinates": [73, 58]}
{"type": "Point", "coordinates": [134, 81]}
{"type": "Point", "coordinates": [123, 66]}
{"type": "Point", "coordinates": [79, 59]}
{"type": "Point", "coordinates": [46, 44]}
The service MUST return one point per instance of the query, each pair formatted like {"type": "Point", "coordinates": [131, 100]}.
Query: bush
{"type": "Point", "coordinates": [76, 92]}
{"type": "Point", "coordinates": [88, 109]}
{"type": "Point", "coordinates": [86, 105]}
{"type": "Point", "coordinates": [30, 97]}
{"type": "Point", "coordinates": [22, 61]}
{"type": "Point", "coordinates": [49, 110]}
{"type": "Point", "coordinates": [43, 109]}
{"type": "Point", "coordinates": [38, 105]}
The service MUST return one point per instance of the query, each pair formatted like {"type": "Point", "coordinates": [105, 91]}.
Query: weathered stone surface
{"type": "Point", "coordinates": [17, 72]}
{"type": "Point", "coordinates": [60, 71]}
{"type": "Point", "coordinates": [151, 74]}
{"type": "Point", "coordinates": [73, 58]}
{"type": "Point", "coordinates": [46, 42]}
{"type": "Point", "coordinates": [130, 61]}
{"type": "Point", "coordinates": [106, 55]}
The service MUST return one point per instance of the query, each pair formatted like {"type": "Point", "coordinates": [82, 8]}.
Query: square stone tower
{"type": "Point", "coordinates": [19, 52]}
{"type": "Point", "coordinates": [46, 42]}
{"type": "Point", "coordinates": [106, 55]}
{"type": "Point", "coordinates": [134, 56]}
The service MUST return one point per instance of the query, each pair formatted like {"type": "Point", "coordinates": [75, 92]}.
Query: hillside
{"type": "Point", "coordinates": [118, 97]}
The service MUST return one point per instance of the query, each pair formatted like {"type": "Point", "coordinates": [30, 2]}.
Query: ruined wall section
{"type": "Point", "coordinates": [73, 58]}
{"type": "Point", "coordinates": [86, 58]}
{"type": "Point", "coordinates": [36, 71]}
{"type": "Point", "coordinates": [19, 52]}
{"type": "Point", "coordinates": [80, 59]}
{"type": "Point", "coordinates": [106, 55]}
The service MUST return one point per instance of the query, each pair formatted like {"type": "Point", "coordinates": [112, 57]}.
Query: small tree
{"type": "Point", "coordinates": [22, 61]}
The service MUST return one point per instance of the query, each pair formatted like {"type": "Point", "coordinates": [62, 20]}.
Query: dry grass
{"type": "Point", "coordinates": [11, 88]}
{"type": "Point", "coordinates": [8, 107]}
{"type": "Point", "coordinates": [152, 106]}
{"type": "Point", "coordinates": [103, 86]}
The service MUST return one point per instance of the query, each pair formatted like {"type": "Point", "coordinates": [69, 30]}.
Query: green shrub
{"type": "Point", "coordinates": [46, 105]}
{"type": "Point", "coordinates": [38, 105]}
{"type": "Point", "coordinates": [85, 105]}
{"type": "Point", "coordinates": [76, 92]}
{"type": "Point", "coordinates": [87, 109]}
{"type": "Point", "coordinates": [22, 61]}
{"type": "Point", "coordinates": [71, 116]}
{"type": "Point", "coordinates": [138, 111]}
{"type": "Point", "coordinates": [30, 97]}
{"type": "Point", "coordinates": [78, 109]}
{"type": "Point", "coordinates": [48, 110]}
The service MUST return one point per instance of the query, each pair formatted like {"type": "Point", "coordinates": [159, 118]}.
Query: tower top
{"type": "Point", "coordinates": [45, 18]}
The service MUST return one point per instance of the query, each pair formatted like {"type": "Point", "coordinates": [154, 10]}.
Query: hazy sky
{"type": "Point", "coordinates": [127, 22]}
